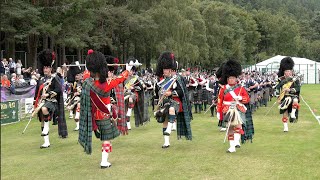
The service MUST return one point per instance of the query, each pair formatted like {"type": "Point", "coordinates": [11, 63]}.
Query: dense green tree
{"type": "Point", "coordinates": [199, 32]}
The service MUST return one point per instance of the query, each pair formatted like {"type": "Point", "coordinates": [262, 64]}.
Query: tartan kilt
{"type": "Point", "coordinates": [197, 96]}
{"type": "Point", "coordinates": [205, 94]}
{"type": "Point", "coordinates": [266, 93]}
{"type": "Point", "coordinates": [210, 97]}
{"type": "Point", "coordinates": [191, 96]}
{"type": "Point", "coordinates": [108, 129]}
{"type": "Point", "coordinates": [52, 106]}
{"type": "Point", "coordinates": [252, 97]}
{"type": "Point", "coordinates": [167, 103]}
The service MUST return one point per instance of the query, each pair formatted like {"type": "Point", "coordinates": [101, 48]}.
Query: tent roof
{"type": "Point", "coordinates": [278, 58]}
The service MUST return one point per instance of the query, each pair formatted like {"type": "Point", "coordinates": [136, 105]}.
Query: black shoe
{"type": "Point", "coordinates": [104, 167]}
{"type": "Point", "coordinates": [54, 123]}
{"type": "Point", "coordinates": [43, 147]}
{"type": "Point", "coordinates": [164, 147]}
{"type": "Point", "coordinates": [238, 146]}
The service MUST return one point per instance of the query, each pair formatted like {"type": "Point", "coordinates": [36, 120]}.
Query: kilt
{"type": "Point", "coordinates": [131, 95]}
{"type": "Point", "coordinates": [198, 96]}
{"type": "Point", "coordinates": [52, 108]}
{"type": "Point", "coordinates": [108, 129]}
{"type": "Point", "coordinates": [266, 93]}
{"type": "Point", "coordinates": [205, 94]}
{"type": "Point", "coordinates": [191, 95]}
{"type": "Point", "coordinates": [252, 97]}
{"type": "Point", "coordinates": [173, 104]}
{"type": "Point", "coordinates": [167, 103]}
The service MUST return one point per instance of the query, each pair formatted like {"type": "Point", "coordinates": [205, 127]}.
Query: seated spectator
{"type": "Point", "coordinates": [13, 78]}
{"type": "Point", "coordinates": [33, 80]}
{"type": "Point", "coordinates": [21, 79]}
{"type": "Point", "coordinates": [5, 81]}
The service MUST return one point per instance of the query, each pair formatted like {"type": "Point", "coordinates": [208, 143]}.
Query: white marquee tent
{"type": "Point", "coordinates": [308, 68]}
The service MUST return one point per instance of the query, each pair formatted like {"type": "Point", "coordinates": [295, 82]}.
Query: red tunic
{"type": "Point", "coordinates": [107, 86]}
{"type": "Point", "coordinates": [224, 99]}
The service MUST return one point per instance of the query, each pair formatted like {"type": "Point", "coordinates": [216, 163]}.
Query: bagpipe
{"type": "Point", "coordinates": [71, 102]}
{"type": "Point", "coordinates": [160, 113]}
{"type": "Point", "coordinates": [40, 102]}
{"type": "Point", "coordinates": [128, 86]}
{"type": "Point", "coordinates": [284, 83]}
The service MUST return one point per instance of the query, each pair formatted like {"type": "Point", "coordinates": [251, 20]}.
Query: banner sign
{"type": "Point", "coordinates": [9, 112]}
{"type": "Point", "coordinates": [20, 93]}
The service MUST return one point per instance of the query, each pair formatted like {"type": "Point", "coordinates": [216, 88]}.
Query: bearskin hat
{"type": "Point", "coordinates": [230, 68]}
{"type": "Point", "coordinates": [219, 71]}
{"type": "Point", "coordinates": [110, 60]}
{"type": "Point", "coordinates": [96, 63]}
{"type": "Point", "coordinates": [165, 61]}
{"type": "Point", "coordinates": [286, 64]}
{"type": "Point", "coordinates": [175, 65]}
{"type": "Point", "coordinates": [73, 71]}
{"type": "Point", "coordinates": [45, 58]}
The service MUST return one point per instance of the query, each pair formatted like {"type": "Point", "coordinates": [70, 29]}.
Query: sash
{"type": "Point", "coordinates": [234, 96]}
{"type": "Point", "coordinates": [38, 95]}
{"type": "Point", "coordinates": [98, 103]}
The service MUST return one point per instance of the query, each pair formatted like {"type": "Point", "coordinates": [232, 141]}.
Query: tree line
{"type": "Point", "coordinates": [199, 32]}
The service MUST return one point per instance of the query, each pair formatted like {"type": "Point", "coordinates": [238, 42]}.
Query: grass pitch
{"type": "Point", "coordinates": [272, 155]}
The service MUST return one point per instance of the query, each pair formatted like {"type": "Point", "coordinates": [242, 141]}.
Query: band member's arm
{"type": "Point", "coordinates": [156, 91]}
{"type": "Point", "coordinates": [138, 86]}
{"type": "Point", "coordinates": [193, 82]}
{"type": "Point", "coordinates": [37, 89]}
{"type": "Point", "coordinates": [296, 87]}
{"type": "Point", "coordinates": [177, 91]}
{"type": "Point", "coordinates": [254, 86]}
{"type": "Point", "coordinates": [245, 96]}
{"type": "Point", "coordinates": [208, 88]}
{"type": "Point", "coordinates": [55, 88]}
{"type": "Point", "coordinates": [220, 100]}
{"type": "Point", "coordinates": [114, 82]}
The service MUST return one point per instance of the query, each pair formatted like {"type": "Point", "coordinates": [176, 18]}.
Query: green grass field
{"type": "Point", "coordinates": [272, 155]}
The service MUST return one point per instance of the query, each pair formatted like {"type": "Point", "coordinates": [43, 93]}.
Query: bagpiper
{"type": "Point", "coordinates": [117, 95]}
{"type": "Point", "coordinates": [73, 103]}
{"type": "Point", "coordinates": [288, 91]}
{"type": "Point", "coordinates": [173, 102]}
{"type": "Point", "coordinates": [96, 108]}
{"type": "Point", "coordinates": [134, 96]}
{"type": "Point", "coordinates": [232, 97]}
{"type": "Point", "coordinates": [49, 98]}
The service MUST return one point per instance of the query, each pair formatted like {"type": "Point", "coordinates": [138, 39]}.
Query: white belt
{"type": "Point", "coordinates": [229, 102]}
{"type": "Point", "coordinates": [233, 103]}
